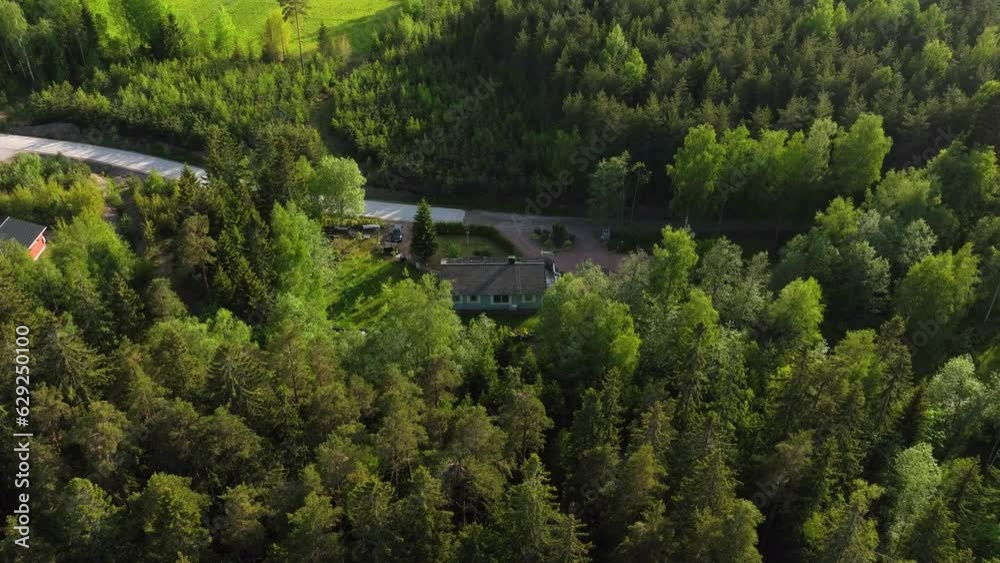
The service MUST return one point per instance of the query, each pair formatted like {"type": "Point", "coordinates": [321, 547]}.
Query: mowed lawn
{"type": "Point", "coordinates": [359, 19]}
{"type": "Point", "coordinates": [454, 246]}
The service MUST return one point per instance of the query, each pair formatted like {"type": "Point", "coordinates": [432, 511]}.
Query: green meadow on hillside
{"type": "Point", "coordinates": [359, 19]}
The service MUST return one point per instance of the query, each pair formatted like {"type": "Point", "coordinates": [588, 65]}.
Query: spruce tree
{"type": "Point", "coordinates": [424, 238]}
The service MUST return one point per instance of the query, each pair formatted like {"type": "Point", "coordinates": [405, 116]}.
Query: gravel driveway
{"type": "Point", "coordinates": [519, 228]}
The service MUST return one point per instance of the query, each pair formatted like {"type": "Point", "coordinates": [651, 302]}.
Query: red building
{"type": "Point", "coordinates": [28, 235]}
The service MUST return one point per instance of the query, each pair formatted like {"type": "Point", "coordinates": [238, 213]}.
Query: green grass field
{"type": "Point", "coordinates": [358, 19]}
{"type": "Point", "coordinates": [357, 284]}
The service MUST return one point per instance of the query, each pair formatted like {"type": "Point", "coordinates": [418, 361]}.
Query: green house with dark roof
{"type": "Point", "coordinates": [496, 284]}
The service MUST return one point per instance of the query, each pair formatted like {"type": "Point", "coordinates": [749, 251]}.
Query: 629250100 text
{"type": "Point", "coordinates": [22, 450]}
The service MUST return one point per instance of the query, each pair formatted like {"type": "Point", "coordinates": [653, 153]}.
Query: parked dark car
{"type": "Point", "coordinates": [397, 234]}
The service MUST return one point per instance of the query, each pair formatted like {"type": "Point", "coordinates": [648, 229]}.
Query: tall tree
{"type": "Point", "coordinates": [168, 515]}
{"type": "Point", "coordinates": [337, 185]}
{"type": "Point", "coordinates": [528, 524]}
{"type": "Point", "coordinates": [958, 404]}
{"type": "Point", "coordinates": [14, 31]}
{"type": "Point", "coordinates": [313, 536]}
{"type": "Point", "coordinates": [673, 259]}
{"type": "Point", "coordinates": [845, 532]}
{"type": "Point", "coordinates": [608, 188]}
{"type": "Point", "coordinates": [195, 249]}
{"type": "Point", "coordinates": [224, 34]}
{"type": "Point", "coordinates": [936, 293]}
{"type": "Point", "coordinates": [303, 258]}
{"type": "Point", "coordinates": [858, 155]}
{"type": "Point", "coordinates": [243, 532]}
{"type": "Point", "coordinates": [88, 518]}
{"type": "Point", "coordinates": [916, 477]}
{"type": "Point", "coordinates": [523, 418]}
{"type": "Point", "coordinates": [695, 172]}
{"type": "Point", "coordinates": [424, 243]}
{"type": "Point", "coordinates": [295, 10]}
{"type": "Point", "coordinates": [275, 36]}
{"type": "Point", "coordinates": [423, 522]}
{"type": "Point", "coordinates": [583, 335]}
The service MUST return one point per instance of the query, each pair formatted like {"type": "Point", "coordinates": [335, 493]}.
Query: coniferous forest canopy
{"type": "Point", "coordinates": [207, 384]}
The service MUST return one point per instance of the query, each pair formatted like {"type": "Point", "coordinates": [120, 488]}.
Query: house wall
{"type": "Point", "coordinates": [36, 248]}
{"type": "Point", "coordinates": [485, 303]}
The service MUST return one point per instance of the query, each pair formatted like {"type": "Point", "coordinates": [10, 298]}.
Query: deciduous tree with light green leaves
{"type": "Point", "coordinates": [673, 259]}
{"type": "Point", "coordinates": [916, 476]}
{"type": "Point", "coordinates": [959, 403]}
{"type": "Point", "coordinates": [338, 186]}
{"type": "Point", "coordinates": [303, 259]}
{"type": "Point", "coordinates": [224, 34]}
{"type": "Point", "coordinates": [14, 34]}
{"type": "Point", "coordinates": [606, 190]}
{"type": "Point", "coordinates": [937, 292]}
{"type": "Point", "coordinates": [582, 333]}
{"type": "Point", "coordinates": [858, 155]}
{"type": "Point", "coordinates": [696, 171]}
{"type": "Point", "coordinates": [798, 311]}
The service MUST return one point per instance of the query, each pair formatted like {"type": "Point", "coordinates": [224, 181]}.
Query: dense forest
{"type": "Point", "coordinates": [639, 74]}
{"type": "Point", "coordinates": [835, 401]}
{"type": "Point", "coordinates": [192, 402]}
{"type": "Point", "coordinates": [484, 98]}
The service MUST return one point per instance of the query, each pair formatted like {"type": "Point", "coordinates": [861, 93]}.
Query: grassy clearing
{"type": "Point", "coordinates": [356, 18]}
{"type": "Point", "coordinates": [451, 246]}
{"type": "Point", "coordinates": [358, 295]}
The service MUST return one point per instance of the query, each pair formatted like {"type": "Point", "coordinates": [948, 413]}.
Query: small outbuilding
{"type": "Point", "coordinates": [497, 284]}
{"type": "Point", "coordinates": [29, 235]}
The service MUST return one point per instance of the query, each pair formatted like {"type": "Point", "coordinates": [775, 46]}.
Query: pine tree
{"type": "Point", "coordinates": [294, 10]}
{"type": "Point", "coordinates": [424, 236]}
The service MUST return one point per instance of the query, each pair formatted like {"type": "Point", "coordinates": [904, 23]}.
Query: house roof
{"type": "Point", "coordinates": [23, 232]}
{"type": "Point", "coordinates": [472, 276]}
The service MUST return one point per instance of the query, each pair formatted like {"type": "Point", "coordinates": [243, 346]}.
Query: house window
{"type": "Point", "coordinates": [456, 298]}
{"type": "Point", "coordinates": [473, 299]}
{"type": "Point", "coordinates": [528, 298]}
{"type": "Point", "coordinates": [501, 299]}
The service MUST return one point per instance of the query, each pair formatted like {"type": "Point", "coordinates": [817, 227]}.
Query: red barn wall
{"type": "Point", "coordinates": [37, 247]}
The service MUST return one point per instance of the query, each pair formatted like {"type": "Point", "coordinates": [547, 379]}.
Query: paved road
{"type": "Point", "coordinates": [516, 227]}
{"type": "Point", "coordinates": [403, 212]}
{"type": "Point", "coordinates": [116, 158]}
{"type": "Point", "coordinates": [145, 164]}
